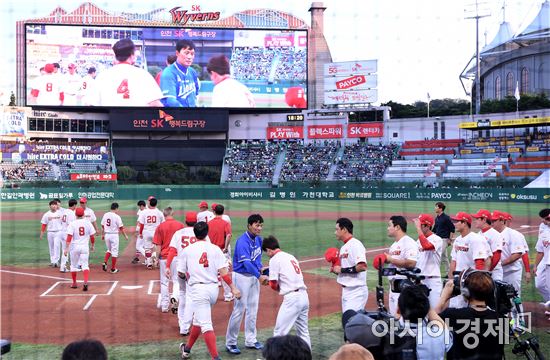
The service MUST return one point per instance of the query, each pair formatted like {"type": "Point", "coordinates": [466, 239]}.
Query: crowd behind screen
{"type": "Point", "coordinates": [257, 63]}
{"type": "Point", "coordinates": [255, 160]}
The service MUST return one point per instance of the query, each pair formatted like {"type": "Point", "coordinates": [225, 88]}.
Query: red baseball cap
{"type": "Point", "coordinates": [49, 68]}
{"type": "Point", "coordinates": [499, 215]}
{"type": "Point", "coordinates": [462, 216]}
{"type": "Point", "coordinates": [482, 214]}
{"type": "Point", "coordinates": [426, 219]}
{"type": "Point", "coordinates": [203, 204]}
{"type": "Point", "coordinates": [72, 66]}
{"type": "Point", "coordinates": [79, 212]}
{"type": "Point", "coordinates": [150, 198]}
{"type": "Point", "coordinates": [191, 217]}
{"type": "Point", "coordinates": [83, 200]}
{"type": "Point", "coordinates": [508, 215]}
{"type": "Point", "coordinates": [214, 206]}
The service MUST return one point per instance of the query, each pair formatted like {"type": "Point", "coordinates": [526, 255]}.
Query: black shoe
{"type": "Point", "coordinates": [135, 260]}
{"type": "Point", "coordinates": [104, 266]}
{"type": "Point", "coordinates": [85, 287]}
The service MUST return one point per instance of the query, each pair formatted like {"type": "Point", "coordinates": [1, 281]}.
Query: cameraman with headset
{"type": "Point", "coordinates": [476, 328]}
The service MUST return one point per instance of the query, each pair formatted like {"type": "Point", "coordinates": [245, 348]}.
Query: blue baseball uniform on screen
{"type": "Point", "coordinates": [247, 257]}
{"type": "Point", "coordinates": [180, 86]}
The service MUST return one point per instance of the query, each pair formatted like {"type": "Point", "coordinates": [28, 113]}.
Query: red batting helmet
{"type": "Point", "coordinates": [380, 258]}
{"type": "Point", "coordinates": [295, 97]}
{"type": "Point", "coordinates": [331, 255]}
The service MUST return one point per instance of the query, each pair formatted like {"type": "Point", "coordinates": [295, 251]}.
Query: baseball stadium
{"type": "Point", "coordinates": [312, 193]}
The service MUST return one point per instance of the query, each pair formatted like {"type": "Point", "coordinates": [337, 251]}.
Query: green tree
{"type": "Point", "coordinates": [126, 173]}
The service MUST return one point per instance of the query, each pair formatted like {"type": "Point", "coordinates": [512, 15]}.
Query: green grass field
{"type": "Point", "coordinates": [20, 246]}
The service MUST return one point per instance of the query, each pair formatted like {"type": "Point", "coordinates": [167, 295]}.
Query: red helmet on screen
{"type": "Point", "coordinates": [296, 97]}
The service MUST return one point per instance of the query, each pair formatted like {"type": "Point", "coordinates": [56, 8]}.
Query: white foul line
{"type": "Point", "coordinates": [112, 288]}
{"type": "Point", "coordinates": [366, 252]}
{"type": "Point", "coordinates": [35, 275]}
{"type": "Point", "coordinates": [50, 289]}
{"type": "Point", "coordinates": [89, 303]}
{"type": "Point", "coordinates": [150, 290]}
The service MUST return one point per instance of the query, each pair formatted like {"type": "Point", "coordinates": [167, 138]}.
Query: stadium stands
{"type": "Point", "coordinates": [260, 63]}
{"type": "Point", "coordinates": [251, 161]}
{"type": "Point", "coordinates": [363, 161]}
{"type": "Point", "coordinates": [309, 162]}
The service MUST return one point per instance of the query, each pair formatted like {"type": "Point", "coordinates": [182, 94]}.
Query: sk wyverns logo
{"type": "Point", "coordinates": [183, 17]}
{"type": "Point", "coordinates": [165, 116]}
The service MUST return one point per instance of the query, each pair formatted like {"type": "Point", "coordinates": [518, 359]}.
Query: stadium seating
{"type": "Point", "coordinates": [309, 162]}
{"type": "Point", "coordinates": [251, 161]}
{"type": "Point", "coordinates": [363, 161]}
{"type": "Point", "coordinates": [271, 64]}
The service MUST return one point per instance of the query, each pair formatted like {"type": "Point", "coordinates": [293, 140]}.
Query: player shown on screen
{"type": "Point", "coordinates": [228, 92]}
{"type": "Point", "coordinates": [179, 82]}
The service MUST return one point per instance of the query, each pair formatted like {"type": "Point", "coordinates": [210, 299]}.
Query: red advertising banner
{"type": "Point", "coordinates": [93, 177]}
{"type": "Point", "coordinates": [285, 132]}
{"type": "Point", "coordinates": [366, 130]}
{"type": "Point", "coordinates": [324, 131]}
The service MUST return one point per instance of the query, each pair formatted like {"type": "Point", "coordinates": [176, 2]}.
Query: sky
{"type": "Point", "coordinates": [421, 46]}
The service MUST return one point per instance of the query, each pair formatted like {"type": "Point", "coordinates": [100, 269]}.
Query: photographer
{"type": "Point", "coordinates": [476, 328]}
{"type": "Point", "coordinates": [417, 333]}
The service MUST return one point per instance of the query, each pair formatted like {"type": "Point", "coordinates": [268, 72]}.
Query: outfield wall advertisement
{"type": "Point", "coordinates": [289, 193]}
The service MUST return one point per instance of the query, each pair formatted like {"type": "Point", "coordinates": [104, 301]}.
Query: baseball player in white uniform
{"type": "Point", "coordinates": [111, 223]}
{"type": "Point", "coordinates": [204, 214]}
{"type": "Point", "coordinates": [79, 233]}
{"type": "Point", "coordinates": [180, 241]}
{"type": "Point", "coordinates": [403, 253]}
{"type": "Point", "coordinates": [52, 223]}
{"type": "Point", "coordinates": [89, 214]}
{"type": "Point", "coordinates": [352, 270]}
{"type": "Point", "coordinates": [88, 83]}
{"type": "Point", "coordinates": [227, 92]}
{"type": "Point", "coordinates": [525, 256]}
{"type": "Point", "coordinates": [430, 250]}
{"type": "Point", "coordinates": [512, 250]}
{"type": "Point", "coordinates": [285, 276]}
{"type": "Point", "coordinates": [470, 250]}
{"type": "Point", "coordinates": [149, 220]}
{"type": "Point", "coordinates": [47, 89]}
{"type": "Point", "coordinates": [482, 221]}
{"type": "Point", "coordinates": [139, 240]}
{"type": "Point", "coordinates": [72, 86]}
{"type": "Point", "coordinates": [67, 218]}
{"type": "Point", "coordinates": [124, 84]}
{"type": "Point", "coordinates": [202, 261]}
{"type": "Point", "coordinates": [542, 260]}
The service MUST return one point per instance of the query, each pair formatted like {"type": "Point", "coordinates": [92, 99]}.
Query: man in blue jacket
{"type": "Point", "coordinates": [247, 277]}
{"type": "Point", "coordinates": [179, 82]}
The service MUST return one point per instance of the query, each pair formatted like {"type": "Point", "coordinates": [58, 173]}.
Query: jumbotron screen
{"type": "Point", "coordinates": [114, 66]}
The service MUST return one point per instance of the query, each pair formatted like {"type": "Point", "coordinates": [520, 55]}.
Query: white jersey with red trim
{"type": "Point", "coordinates": [89, 215]}
{"type": "Point", "coordinates": [88, 83]}
{"type": "Point", "coordinates": [54, 220]}
{"type": "Point", "coordinates": [111, 223]}
{"type": "Point", "coordinates": [67, 218]}
{"type": "Point", "coordinates": [72, 84]}
{"type": "Point", "coordinates": [48, 88]}
{"type": "Point", "coordinates": [231, 93]}
{"type": "Point", "coordinates": [543, 244]}
{"type": "Point", "coordinates": [226, 218]}
{"type": "Point", "coordinates": [81, 230]}
{"type": "Point", "coordinates": [468, 249]}
{"type": "Point", "coordinates": [124, 85]}
{"type": "Point", "coordinates": [351, 254]}
{"type": "Point", "coordinates": [513, 244]}
{"type": "Point", "coordinates": [205, 216]}
{"type": "Point", "coordinates": [429, 261]}
{"type": "Point", "coordinates": [202, 260]}
{"type": "Point", "coordinates": [403, 249]}
{"type": "Point", "coordinates": [285, 269]}
{"type": "Point", "coordinates": [496, 243]}
{"type": "Point", "coordinates": [151, 219]}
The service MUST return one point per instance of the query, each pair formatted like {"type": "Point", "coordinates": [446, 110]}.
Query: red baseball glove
{"type": "Point", "coordinates": [332, 255]}
{"type": "Point", "coordinates": [377, 259]}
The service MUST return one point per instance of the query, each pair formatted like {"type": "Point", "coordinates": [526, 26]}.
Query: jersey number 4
{"type": "Point", "coordinates": [204, 259]}
{"type": "Point", "coordinates": [123, 89]}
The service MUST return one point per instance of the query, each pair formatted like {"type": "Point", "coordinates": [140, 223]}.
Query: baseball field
{"type": "Point", "coordinates": [41, 314]}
